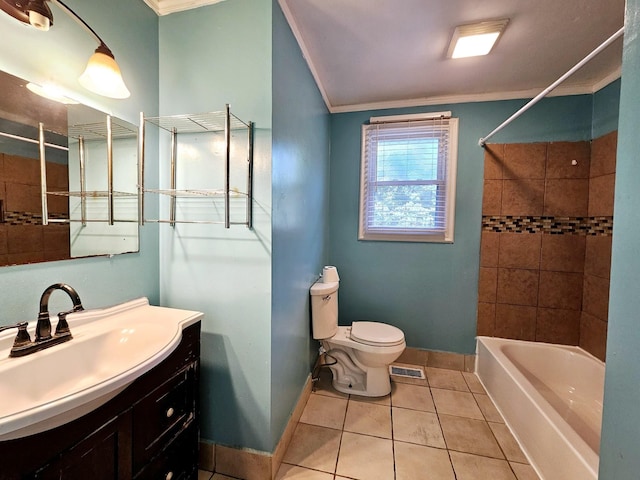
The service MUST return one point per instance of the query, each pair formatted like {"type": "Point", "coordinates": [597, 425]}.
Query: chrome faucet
{"type": "Point", "coordinates": [23, 345]}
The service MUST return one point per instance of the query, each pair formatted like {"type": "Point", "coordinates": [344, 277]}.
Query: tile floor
{"type": "Point", "coordinates": [441, 428]}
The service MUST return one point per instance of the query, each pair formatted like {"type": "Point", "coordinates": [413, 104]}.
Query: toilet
{"type": "Point", "coordinates": [359, 355]}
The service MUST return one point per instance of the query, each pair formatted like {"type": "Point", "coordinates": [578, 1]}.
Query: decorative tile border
{"type": "Point", "coordinates": [28, 218]}
{"type": "Point", "coordinates": [602, 226]}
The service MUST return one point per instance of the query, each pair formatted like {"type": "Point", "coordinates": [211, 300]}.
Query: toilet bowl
{"type": "Point", "coordinates": [358, 355]}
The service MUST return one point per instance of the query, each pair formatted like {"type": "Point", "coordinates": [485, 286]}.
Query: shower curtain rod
{"type": "Point", "coordinates": [546, 91]}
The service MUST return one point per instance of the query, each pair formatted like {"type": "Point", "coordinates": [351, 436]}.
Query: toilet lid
{"type": "Point", "coordinates": [376, 334]}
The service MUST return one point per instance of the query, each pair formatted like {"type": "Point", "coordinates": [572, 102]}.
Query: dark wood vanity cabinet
{"type": "Point", "coordinates": [148, 431]}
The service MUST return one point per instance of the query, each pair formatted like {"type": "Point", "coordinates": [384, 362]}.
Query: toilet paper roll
{"type": "Point", "coordinates": [330, 274]}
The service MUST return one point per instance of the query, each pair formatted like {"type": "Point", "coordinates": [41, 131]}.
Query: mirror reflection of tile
{"type": "Point", "coordinates": [23, 237]}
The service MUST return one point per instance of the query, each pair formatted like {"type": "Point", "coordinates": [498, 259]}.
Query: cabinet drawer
{"type": "Point", "coordinates": [178, 461]}
{"type": "Point", "coordinates": [161, 415]}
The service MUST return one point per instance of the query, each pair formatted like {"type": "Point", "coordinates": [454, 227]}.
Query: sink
{"type": "Point", "coordinates": [111, 347]}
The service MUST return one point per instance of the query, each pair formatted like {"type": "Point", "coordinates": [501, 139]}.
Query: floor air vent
{"type": "Point", "coordinates": [409, 372]}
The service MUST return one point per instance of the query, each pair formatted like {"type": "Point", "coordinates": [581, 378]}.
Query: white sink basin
{"type": "Point", "coordinates": [109, 350]}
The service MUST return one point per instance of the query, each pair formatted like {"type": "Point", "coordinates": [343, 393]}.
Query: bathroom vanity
{"type": "Point", "coordinates": [147, 430]}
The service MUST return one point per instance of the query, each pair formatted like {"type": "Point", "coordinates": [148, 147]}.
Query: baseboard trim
{"type": "Point", "coordinates": [437, 359]}
{"type": "Point", "coordinates": [251, 464]}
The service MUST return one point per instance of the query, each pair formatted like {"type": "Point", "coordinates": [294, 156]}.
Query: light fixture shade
{"type": "Point", "coordinates": [475, 39]}
{"type": "Point", "coordinates": [102, 76]}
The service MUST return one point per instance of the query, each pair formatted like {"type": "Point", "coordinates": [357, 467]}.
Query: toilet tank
{"type": "Point", "coordinates": [324, 309]}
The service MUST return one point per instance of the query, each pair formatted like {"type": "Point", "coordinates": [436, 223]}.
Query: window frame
{"type": "Point", "coordinates": [404, 234]}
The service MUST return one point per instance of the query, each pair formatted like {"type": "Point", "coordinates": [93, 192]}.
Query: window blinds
{"type": "Point", "coordinates": [406, 187]}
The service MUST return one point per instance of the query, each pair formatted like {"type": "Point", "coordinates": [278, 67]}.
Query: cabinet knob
{"type": "Point", "coordinates": [170, 412]}
{"type": "Point", "coordinates": [168, 476]}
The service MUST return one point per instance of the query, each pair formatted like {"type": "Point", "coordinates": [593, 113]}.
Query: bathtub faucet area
{"type": "Point", "coordinates": [23, 345]}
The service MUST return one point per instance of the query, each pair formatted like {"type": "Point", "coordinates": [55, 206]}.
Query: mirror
{"type": "Point", "coordinates": [80, 204]}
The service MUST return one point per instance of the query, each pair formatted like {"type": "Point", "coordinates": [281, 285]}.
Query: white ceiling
{"type": "Point", "coordinates": [367, 54]}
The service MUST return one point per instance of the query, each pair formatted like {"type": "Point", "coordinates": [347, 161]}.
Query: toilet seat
{"type": "Point", "coordinates": [376, 334]}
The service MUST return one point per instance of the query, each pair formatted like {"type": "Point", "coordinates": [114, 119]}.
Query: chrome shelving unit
{"type": "Point", "coordinates": [109, 130]}
{"type": "Point", "coordinates": [219, 123]}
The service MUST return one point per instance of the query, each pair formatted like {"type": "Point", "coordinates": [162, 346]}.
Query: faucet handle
{"type": "Point", "coordinates": [23, 337]}
{"type": "Point", "coordinates": [62, 328]}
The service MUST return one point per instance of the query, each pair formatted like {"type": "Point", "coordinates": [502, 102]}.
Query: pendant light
{"type": "Point", "coordinates": [102, 74]}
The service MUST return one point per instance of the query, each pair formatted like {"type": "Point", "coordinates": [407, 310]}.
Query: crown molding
{"type": "Point", "coordinates": [567, 90]}
{"type": "Point", "coordinates": [612, 77]}
{"type": "Point", "coordinates": [305, 51]}
{"type": "Point", "coordinates": [165, 7]}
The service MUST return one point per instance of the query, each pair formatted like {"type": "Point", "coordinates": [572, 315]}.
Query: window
{"type": "Point", "coordinates": [408, 178]}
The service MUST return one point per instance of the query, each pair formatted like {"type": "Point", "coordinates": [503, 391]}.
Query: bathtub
{"type": "Point", "coordinates": [551, 398]}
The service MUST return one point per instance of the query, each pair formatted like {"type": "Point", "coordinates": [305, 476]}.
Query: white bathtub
{"type": "Point", "coordinates": [551, 398]}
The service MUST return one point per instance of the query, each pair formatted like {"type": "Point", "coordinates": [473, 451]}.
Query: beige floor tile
{"type": "Point", "coordinates": [204, 475]}
{"type": "Point", "coordinates": [314, 447]}
{"type": "Point", "coordinates": [325, 411]}
{"type": "Point", "coordinates": [368, 419]}
{"type": "Point", "coordinates": [292, 472]}
{"type": "Point", "coordinates": [365, 458]}
{"type": "Point", "coordinates": [447, 379]}
{"type": "Point", "coordinates": [414, 397]}
{"type": "Point", "coordinates": [470, 436]}
{"type": "Point", "coordinates": [409, 381]}
{"type": "Point", "coordinates": [473, 382]}
{"type": "Point", "coordinates": [324, 387]}
{"type": "Point", "coordinates": [415, 426]}
{"type": "Point", "coordinates": [489, 410]}
{"type": "Point", "coordinates": [219, 476]}
{"type": "Point", "coordinates": [524, 472]}
{"type": "Point", "coordinates": [452, 402]}
{"type": "Point", "coordinates": [386, 400]}
{"type": "Point", "coordinates": [473, 467]}
{"type": "Point", "coordinates": [413, 461]}
{"type": "Point", "coordinates": [509, 445]}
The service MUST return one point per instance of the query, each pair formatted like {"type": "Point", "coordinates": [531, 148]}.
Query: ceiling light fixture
{"type": "Point", "coordinates": [475, 39]}
{"type": "Point", "coordinates": [102, 74]}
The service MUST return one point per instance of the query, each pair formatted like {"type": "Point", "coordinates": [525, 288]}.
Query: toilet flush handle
{"type": "Point", "coordinates": [327, 298]}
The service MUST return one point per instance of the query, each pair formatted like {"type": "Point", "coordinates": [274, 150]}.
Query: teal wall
{"type": "Point", "coordinates": [606, 106]}
{"type": "Point", "coordinates": [210, 56]}
{"type": "Point", "coordinates": [252, 285]}
{"type": "Point", "coordinates": [60, 56]}
{"type": "Point", "coordinates": [300, 217]}
{"type": "Point", "coordinates": [619, 458]}
{"type": "Point", "coordinates": [429, 290]}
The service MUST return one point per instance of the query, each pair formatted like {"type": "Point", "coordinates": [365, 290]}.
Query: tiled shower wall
{"type": "Point", "coordinates": [547, 217]}
{"type": "Point", "coordinates": [23, 238]}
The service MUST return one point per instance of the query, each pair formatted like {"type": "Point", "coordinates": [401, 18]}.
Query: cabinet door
{"type": "Point", "coordinates": [178, 461]}
{"type": "Point", "coordinates": [162, 415]}
{"type": "Point", "coordinates": [103, 455]}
